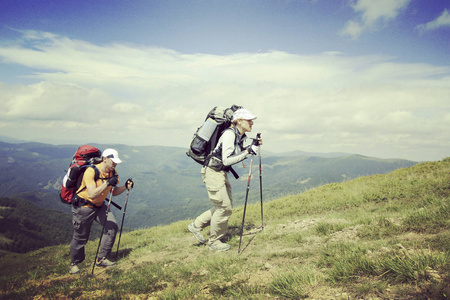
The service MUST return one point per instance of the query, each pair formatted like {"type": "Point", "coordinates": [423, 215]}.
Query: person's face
{"type": "Point", "coordinates": [109, 165]}
{"type": "Point", "coordinates": [247, 125]}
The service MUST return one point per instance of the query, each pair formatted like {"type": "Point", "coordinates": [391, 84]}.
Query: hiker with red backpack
{"type": "Point", "coordinates": [228, 151]}
{"type": "Point", "coordinates": [98, 181]}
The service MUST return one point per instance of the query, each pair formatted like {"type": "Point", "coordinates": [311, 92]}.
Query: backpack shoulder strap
{"type": "Point", "coordinates": [97, 172]}
{"type": "Point", "coordinates": [236, 142]}
{"type": "Point", "coordinates": [80, 179]}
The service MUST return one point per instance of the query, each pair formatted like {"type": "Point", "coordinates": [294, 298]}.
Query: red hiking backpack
{"type": "Point", "coordinates": [86, 156]}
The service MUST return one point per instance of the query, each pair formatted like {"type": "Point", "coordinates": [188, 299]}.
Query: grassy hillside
{"type": "Point", "coordinates": [375, 237]}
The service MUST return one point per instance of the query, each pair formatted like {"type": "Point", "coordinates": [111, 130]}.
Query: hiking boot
{"type": "Point", "coordinates": [219, 247]}
{"type": "Point", "coordinates": [104, 262]}
{"type": "Point", "coordinates": [197, 233]}
{"type": "Point", "coordinates": [74, 269]}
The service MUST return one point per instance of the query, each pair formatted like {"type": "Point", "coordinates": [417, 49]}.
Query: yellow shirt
{"type": "Point", "coordinates": [89, 179]}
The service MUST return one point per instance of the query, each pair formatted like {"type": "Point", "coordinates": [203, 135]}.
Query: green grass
{"type": "Point", "coordinates": [294, 283]}
{"type": "Point", "coordinates": [381, 236]}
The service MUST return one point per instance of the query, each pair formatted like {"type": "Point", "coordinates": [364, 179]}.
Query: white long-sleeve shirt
{"type": "Point", "coordinates": [231, 151]}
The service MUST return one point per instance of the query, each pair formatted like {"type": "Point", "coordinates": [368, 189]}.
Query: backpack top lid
{"type": "Point", "coordinates": [87, 154]}
{"type": "Point", "coordinates": [220, 114]}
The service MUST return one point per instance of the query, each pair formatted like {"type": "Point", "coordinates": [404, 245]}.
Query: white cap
{"type": "Point", "coordinates": [111, 153]}
{"type": "Point", "coordinates": [243, 113]}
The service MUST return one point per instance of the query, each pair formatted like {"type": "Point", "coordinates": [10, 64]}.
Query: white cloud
{"type": "Point", "coordinates": [442, 21]}
{"type": "Point", "coordinates": [372, 14]}
{"type": "Point", "coordinates": [50, 101]}
{"type": "Point", "coordinates": [353, 29]}
{"type": "Point", "coordinates": [126, 107]}
{"type": "Point", "coordinates": [322, 103]}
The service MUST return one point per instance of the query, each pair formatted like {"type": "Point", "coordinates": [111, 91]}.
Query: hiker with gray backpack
{"type": "Point", "coordinates": [229, 150]}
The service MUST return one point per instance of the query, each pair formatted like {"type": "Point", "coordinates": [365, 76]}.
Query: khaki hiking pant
{"type": "Point", "coordinates": [219, 192]}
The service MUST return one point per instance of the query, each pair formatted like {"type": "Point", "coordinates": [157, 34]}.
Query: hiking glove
{"type": "Point", "coordinates": [129, 183]}
{"type": "Point", "coordinates": [252, 149]}
{"type": "Point", "coordinates": [112, 181]}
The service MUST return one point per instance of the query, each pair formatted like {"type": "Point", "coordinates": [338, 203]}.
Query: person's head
{"type": "Point", "coordinates": [111, 159]}
{"type": "Point", "coordinates": [243, 120]}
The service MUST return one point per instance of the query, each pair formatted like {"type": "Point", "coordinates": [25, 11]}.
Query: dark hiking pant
{"type": "Point", "coordinates": [82, 222]}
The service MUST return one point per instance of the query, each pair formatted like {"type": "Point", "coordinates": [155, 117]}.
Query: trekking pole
{"type": "Point", "coordinates": [103, 229]}
{"type": "Point", "coordinates": [245, 204]}
{"type": "Point", "coordinates": [123, 218]}
{"type": "Point", "coordinates": [258, 136]}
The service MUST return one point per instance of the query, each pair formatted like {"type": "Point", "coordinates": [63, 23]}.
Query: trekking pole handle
{"type": "Point", "coordinates": [129, 182]}
{"type": "Point", "coordinates": [256, 140]}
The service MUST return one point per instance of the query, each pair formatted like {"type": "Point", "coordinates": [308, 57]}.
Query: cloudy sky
{"type": "Point", "coordinates": [357, 76]}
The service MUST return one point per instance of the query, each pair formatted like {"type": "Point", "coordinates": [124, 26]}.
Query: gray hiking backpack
{"type": "Point", "coordinates": [207, 135]}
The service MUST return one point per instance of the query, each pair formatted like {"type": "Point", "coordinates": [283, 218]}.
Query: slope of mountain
{"type": "Point", "coordinates": [374, 237]}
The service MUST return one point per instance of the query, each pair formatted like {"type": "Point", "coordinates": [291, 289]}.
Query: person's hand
{"type": "Point", "coordinates": [129, 184]}
{"type": "Point", "coordinates": [257, 141]}
{"type": "Point", "coordinates": [112, 181]}
{"type": "Point", "coordinates": [252, 149]}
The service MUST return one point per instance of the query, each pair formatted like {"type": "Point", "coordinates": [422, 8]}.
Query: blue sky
{"type": "Point", "coordinates": [356, 76]}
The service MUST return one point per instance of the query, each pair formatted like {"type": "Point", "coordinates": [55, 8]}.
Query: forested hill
{"type": "Point", "coordinates": [25, 227]}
